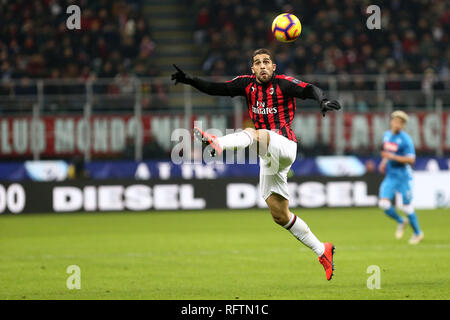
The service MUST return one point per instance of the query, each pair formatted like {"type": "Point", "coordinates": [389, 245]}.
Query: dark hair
{"type": "Point", "coordinates": [262, 51]}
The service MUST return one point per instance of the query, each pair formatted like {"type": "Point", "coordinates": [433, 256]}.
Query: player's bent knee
{"type": "Point", "coordinates": [278, 220]}
{"type": "Point", "coordinates": [262, 136]}
{"type": "Point", "coordinates": [280, 217]}
{"type": "Point", "coordinates": [251, 132]}
{"type": "Point", "coordinates": [408, 209]}
{"type": "Point", "coordinates": [384, 204]}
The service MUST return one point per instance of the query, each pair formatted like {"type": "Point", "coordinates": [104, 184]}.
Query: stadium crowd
{"type": "Point", "coordinates": [414, 37]}
{"type": "Point", "coordinates": [115, 41]}
{"type": "Point", "coordinates": [36, 43]}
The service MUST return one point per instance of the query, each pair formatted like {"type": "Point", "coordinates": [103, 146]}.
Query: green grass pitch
{"type": "Point", "coordinates": [219, 255]}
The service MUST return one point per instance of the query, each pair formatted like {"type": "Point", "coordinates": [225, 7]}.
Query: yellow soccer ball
{"type": "Point", "coordinates": [286, 27]}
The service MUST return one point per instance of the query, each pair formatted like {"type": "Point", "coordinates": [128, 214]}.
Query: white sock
{"type": "Point", "coordinates": [237, 140]}
{"type": "Point", "coordinates": [301, 231]}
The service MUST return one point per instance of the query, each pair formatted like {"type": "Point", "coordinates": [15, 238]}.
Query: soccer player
{"type": "Point", "coordinates": [398, 156]}
{"type": "Point", "coordinates": [271, 105]}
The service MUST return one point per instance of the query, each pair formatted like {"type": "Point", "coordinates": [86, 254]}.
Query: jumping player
{"type": "Point", "coordinates": [271, 105]}
{"type": "Point", "coordinates": [398, 156]}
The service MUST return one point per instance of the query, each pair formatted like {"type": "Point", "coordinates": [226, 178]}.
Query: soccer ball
{"type": "Point", "coordinates": [286, 27]}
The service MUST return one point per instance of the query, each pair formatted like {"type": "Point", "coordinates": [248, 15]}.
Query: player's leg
{"type": "Point", "coordinates": [279, 208]}
{"type": "Point", "coordinates": [386, 205]}
{"type": "Point", "coordinates": [408, 209]}
{"type": "Point", "coordinates": [275, 163]}
{"type": "Point", "coordinates": [232, 141]}
{"type": "Point", "coordinates": [387, 192]}
{"type": "Point", "coordinates": [261, 137]}
{"type": "Point", "coordinates": [237, 140]}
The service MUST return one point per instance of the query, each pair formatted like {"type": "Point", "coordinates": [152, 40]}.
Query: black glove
{"type": "Point", "coordinates": [181, 77]}
{"type": "Point", "coordinates": [327, 105]}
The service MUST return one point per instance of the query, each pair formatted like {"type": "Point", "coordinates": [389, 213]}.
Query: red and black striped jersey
{"type": "Point", "coordinates": [271, 105]}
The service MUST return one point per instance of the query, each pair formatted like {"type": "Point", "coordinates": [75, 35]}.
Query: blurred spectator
{"type": "Point", "coordinates": [334, 40]}
{"type": "Point", "coordinates": [34, 39]}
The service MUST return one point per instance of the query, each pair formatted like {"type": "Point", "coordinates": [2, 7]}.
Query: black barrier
{"type": "Point", "coordinates": [135, 195]}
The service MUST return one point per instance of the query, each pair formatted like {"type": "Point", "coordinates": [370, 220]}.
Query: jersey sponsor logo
{"type": "Point", "coordinates": [390, 146]}
{"type": "Point", "coordinates": [264, 110]}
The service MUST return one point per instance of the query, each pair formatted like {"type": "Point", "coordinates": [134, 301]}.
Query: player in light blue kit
{"type": "Point", "coordinates": [398, 156]}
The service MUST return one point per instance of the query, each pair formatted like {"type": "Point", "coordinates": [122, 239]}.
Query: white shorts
{"type": "Point", "coordinates": [275, 165]}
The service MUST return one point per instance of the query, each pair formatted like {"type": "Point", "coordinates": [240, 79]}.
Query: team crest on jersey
{"type": "Point", "coordinates": [390, 146]}
{"type": "Point", "coordinates": [271, 91]}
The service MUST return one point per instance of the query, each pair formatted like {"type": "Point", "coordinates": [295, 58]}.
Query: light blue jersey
{"type": "Point", "coordinates": [400, 144]}
{"type": "Point", "coordinates": [398, 175]}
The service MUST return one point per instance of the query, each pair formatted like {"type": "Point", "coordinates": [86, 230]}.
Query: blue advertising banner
{"type": "Point", "coordinates": [333, 166]}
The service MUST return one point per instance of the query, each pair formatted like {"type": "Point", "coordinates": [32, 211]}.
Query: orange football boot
{"type": "Point", "coordinates": [326, 259]}
{"type": "Point", "coordinates": [208, 140]}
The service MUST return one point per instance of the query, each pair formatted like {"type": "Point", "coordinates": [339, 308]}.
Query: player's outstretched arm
{"type": "Point", "coordinates": [304, 90]}
{"type": "Point", "coordinates": [313, 92]}
{"type": "Point", "coordinates": [211, 88]}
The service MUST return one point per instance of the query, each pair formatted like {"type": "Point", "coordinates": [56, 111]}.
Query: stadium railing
{"type": "Point", "coordinates": [163, 107]}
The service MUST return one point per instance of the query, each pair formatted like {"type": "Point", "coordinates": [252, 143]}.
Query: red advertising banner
{"type": "Point", "coordinates": [107, 135]}
{"type": "Point", "coordinates": [357, 131]}
{"type": "Point", "coordinates": [69, 135]}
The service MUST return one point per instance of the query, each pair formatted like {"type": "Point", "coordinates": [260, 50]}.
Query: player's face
{"type": "Point", "coordinates": [397, 124]}
{"type": "Point", "coordinates": [263, 67]}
